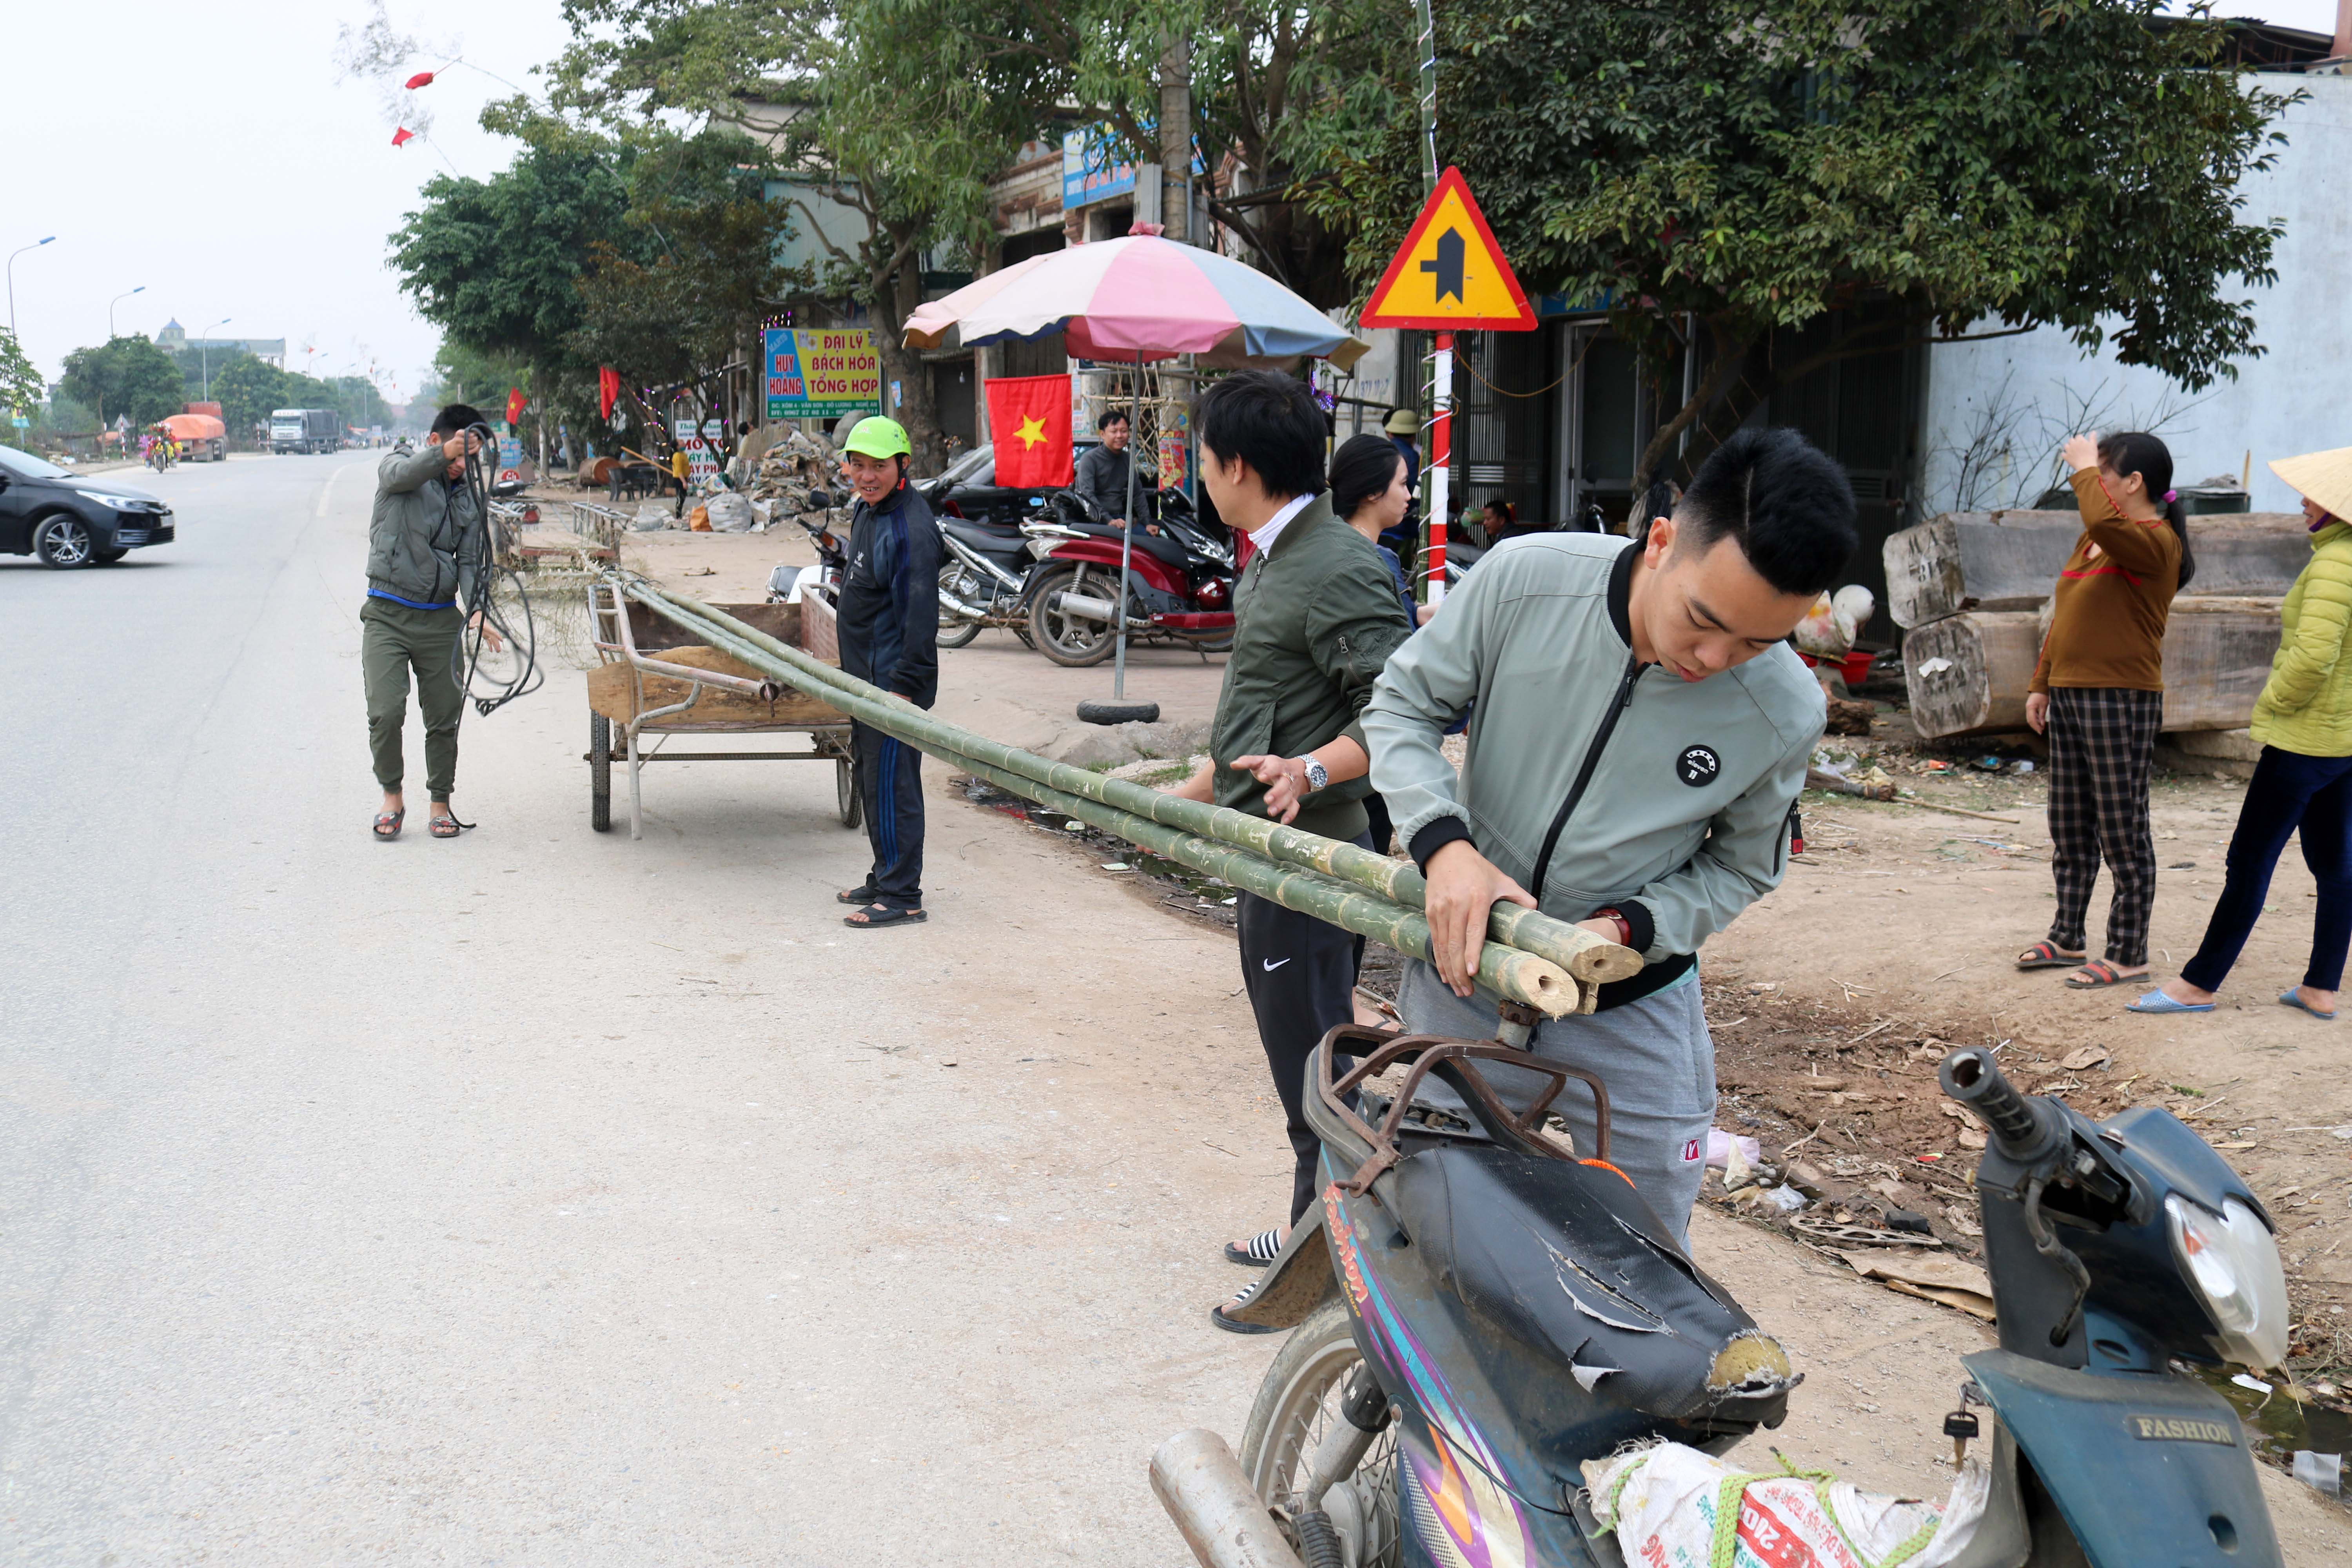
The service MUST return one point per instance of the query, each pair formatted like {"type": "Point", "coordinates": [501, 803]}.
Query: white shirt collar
{"type": "Point", "coordinates": [1265, 534]}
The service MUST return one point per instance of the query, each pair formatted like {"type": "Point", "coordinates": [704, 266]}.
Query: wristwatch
{"type": "Point", "coordinates": [1316, 775]}
{"type": "Point", "coordinates": [1624, 926]}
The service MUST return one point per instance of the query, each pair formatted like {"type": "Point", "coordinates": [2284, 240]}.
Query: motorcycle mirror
{"type": "Point", "coordinates": [819, 501]}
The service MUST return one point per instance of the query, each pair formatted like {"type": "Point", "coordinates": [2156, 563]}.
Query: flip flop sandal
{"type": "Point", "coordinates": [2047, 956]}
{"type": "Point", "coordinates": [2157, 1002]}
{"type": "Point", "coordinates": [1260, 1250]}
{"type": "Point", "coordinates": [2288, 998]}
{"type": "Point", "coordinates": [387, 825]}
{"type": "Point", "coordinates": [878, 915]}
{"type": "Point", "coordinates": [865, 894]}
{"type": "Point", "coordinates": [2102, 975]}
{"type": "Point", "coordinates": [1234, 1325]}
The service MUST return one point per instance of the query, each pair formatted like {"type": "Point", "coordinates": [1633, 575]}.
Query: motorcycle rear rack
{"type": "Point", "coordinates": [1429, 1050]}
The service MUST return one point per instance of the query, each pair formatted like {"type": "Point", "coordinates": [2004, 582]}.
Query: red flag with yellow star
{"type": "Point", "coordinates": [1029, 421]}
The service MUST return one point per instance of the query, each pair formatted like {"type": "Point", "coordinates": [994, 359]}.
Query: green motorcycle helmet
{"type": "Point", "coordinates": [876, 436]}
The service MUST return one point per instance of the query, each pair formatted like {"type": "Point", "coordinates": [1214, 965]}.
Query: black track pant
{"type": "Point", "coordinates": [2102, 740]}
{"type": "Point", "coordinates": [890, 786]}
{"type": "Point", "coordinates": [1301, 978]}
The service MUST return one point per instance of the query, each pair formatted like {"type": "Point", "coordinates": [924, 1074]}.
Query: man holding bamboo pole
{"type": "Point", "coordinates": [1650, 807]}
{"type": "Point", "coordinates": [1315, 617]}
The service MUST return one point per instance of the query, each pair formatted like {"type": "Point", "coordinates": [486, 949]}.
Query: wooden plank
{"type": "Point", "coordinates": [610, 694]}
{"type": "Point", "coordinates": [2010, 560]}
{"type": "Point", "coordinates": [1968, 673]}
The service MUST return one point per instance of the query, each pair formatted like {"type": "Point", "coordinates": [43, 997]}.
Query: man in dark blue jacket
{"type": "Point", "coordinates": [889, 625]}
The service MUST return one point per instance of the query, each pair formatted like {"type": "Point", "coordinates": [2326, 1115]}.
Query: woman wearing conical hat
{"type": "Point", "coordinates": [2304, 779]}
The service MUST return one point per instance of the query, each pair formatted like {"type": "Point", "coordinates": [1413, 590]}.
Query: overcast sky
{"type": "Point", "coordinates": [209, 153]}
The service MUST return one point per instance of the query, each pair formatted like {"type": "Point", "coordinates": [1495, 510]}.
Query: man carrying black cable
{"type": "Point", "coordinates": [425, 555]}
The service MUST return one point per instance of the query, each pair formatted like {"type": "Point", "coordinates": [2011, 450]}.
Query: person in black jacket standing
{"type": "Point", "coordinates": [889, 625]}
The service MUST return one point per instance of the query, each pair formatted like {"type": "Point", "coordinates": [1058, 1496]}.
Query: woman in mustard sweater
{"type": "Point", "coordinates": [2304, 779]}
{"type": "Point", "coordinates": [2098, 694]}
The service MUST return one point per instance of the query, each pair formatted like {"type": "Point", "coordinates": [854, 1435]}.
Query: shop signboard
{"type": "Point", "coordinates": [822, 373]}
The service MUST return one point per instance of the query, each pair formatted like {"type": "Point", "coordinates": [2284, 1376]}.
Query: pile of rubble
{"type": "Point", "coordinates": [793, 469]}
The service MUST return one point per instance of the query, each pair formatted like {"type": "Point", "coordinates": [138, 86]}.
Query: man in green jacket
{"type": "Point", "coordinates": [1315, 617]}
{"type": "Point", "coordinates": [1639, 740]}
{"type": "Point", "coordinates": [425, 556]}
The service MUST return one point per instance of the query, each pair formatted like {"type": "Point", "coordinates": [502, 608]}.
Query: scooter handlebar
{"type": "Point", "coordinates": [1972, 1076]}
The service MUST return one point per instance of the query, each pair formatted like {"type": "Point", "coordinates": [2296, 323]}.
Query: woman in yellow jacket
{"type": "Point", "coordinates": [2304, 720]}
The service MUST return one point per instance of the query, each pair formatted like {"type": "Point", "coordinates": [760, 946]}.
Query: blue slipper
{"type": "Point", "coordinates": [2289, 999]}
{"type": "Point", "coordinates": [2157, 1002]}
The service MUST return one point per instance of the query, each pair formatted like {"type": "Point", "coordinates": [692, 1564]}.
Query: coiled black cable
{"type": "Point", "coordinates": [520, 634]}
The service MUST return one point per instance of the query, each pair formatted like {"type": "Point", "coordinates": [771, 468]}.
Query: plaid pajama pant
{"type": "Point", "coordinates": [2101, 741]}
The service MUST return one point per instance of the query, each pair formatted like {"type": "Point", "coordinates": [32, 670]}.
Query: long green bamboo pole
{"type": "Point", "coordinates": [1516, 975]}
{"type": "Point", "coordinates": [1589, 958]}
{"type": "Point", "coordinates": [1506, 972]}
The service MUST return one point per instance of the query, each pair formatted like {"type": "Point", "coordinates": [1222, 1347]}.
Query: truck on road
{"type": "Point", "coordinates": [305, 430]}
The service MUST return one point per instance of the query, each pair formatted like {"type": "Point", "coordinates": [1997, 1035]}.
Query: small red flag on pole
{"type": "Point", "coordinates": [608, 390]}
{"type": "Point", "coordinates": [422, 79]}
{"type": "Point", "coordinates": [516, 404]}
{"type": "Point", "coordinates": [402, 135]}
{"type": "Point", "coordinates": [1029, 424]}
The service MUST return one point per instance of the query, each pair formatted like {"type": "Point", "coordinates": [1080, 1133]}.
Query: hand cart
{"type": "Point", "coordinates": [656, 679]}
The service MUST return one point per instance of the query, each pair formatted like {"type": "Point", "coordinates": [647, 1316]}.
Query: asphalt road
{"type": "Point", "coordinates": [542, 1196]}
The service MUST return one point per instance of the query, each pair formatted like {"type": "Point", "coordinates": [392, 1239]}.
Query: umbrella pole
{"type": "Point", "coordinates": [1127, 535]}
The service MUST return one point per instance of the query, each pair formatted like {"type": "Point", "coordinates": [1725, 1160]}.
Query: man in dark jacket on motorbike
{"type": "Point", "coordinates": [425, 557]}
{"type": "Point", "coordinates": [889, 627]}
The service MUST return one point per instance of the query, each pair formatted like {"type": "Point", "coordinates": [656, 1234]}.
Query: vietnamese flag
{"type": "Point", "coordinates": [516, 404]}
{"type": "Point", "coordinates": [1029, 422]}
{"type": "Point", "coordinates": [608, 390]}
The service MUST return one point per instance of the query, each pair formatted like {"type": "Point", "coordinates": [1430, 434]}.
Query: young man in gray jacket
{"type": "Point", "coordinates": [1638, 741]}
{"type": "Point", "coordinates": [424, 546]}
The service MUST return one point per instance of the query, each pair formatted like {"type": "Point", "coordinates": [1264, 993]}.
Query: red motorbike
{"type": "Point", "coordinates": [1180, 582]}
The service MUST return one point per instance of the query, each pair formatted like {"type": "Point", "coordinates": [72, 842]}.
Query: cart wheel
{"type": "Point", "coordinates": [600, 773]}
{"type": "Point", "coordinates": [844, 779]}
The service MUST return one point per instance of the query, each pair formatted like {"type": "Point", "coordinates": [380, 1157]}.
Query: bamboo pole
{"type": "Point", "coordinates": [1589, 958]}
{"type": "Point", "coordinates": [1515, 975]}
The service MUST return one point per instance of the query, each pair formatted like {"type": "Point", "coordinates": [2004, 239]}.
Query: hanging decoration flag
{"type": "Point", "coordinates": [402, 136]}
{"type": "Point", "coordinates": [516, 404]}
{"type": "Point", "coordinates": [1029, 422]}
{"type": "Point", "coordinates": [1449, 274]}
{"type": "Point", "coordinates": [608, 390]}
{"type": "Point", "coordinates": [422, 79]}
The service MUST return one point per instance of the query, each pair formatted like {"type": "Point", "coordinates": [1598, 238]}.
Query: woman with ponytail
{"type": "Point", "coordinates": [2098, 695]}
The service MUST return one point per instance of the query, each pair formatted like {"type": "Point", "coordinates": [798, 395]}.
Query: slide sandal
{"type": "Point", "coordinates": [2287, 998]}
{"type": "Point", "coordinates": [2047, 956]}
{"type": "Point", "coordinates": [2157, 1002]}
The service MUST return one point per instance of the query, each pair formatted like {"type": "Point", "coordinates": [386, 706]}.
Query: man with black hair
{"type": "Point", "coordinates": [1315, 614]}
{"type": "Point", "coordinates": [425, 556]}
{"type": "Point", "coordinates": [1102, 474]}
{"type": "Point", "coordinates": [1650, 807]}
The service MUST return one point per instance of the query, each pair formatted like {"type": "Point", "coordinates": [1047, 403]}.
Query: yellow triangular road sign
{"type": "Point", "coordinates": [1450, 274]}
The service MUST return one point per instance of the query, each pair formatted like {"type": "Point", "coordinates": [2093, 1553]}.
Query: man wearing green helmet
{"type": "Point", "coordinates": [889, 627]}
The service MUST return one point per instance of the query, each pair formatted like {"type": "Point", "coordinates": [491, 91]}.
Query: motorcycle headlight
{"type": "Point", "coordinates": [2232, 1264]}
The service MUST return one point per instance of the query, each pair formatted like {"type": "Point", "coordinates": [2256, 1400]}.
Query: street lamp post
{"type": "Point", "coordinates": [12, 278]}
{"type": "Point", "coordinates": [204, 356]}
{"type": "Point", "coordinates": [117, 300]}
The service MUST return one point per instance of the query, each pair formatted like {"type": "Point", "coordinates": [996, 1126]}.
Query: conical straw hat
{"type": "Point", "coordinates": [2325, 477]}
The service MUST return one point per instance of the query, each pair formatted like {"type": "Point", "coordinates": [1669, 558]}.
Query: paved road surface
{"type": "Point", "coordinates": [543, 1197]}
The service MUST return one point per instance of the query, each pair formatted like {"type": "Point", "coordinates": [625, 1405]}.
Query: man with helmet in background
{"type": "Point", "coordinates": [889, 627]}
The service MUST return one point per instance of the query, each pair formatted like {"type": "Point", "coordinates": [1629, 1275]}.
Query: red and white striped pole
{"type": "Point", "coordinates": [1441, 451]}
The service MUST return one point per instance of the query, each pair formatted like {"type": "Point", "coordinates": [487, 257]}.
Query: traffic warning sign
{"type": "Point", "coordinates": [1449, 274]}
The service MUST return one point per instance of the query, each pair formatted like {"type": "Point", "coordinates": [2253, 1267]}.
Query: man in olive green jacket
{"type": "Point", "coordinates": [1315, 618]}
{"type": "Point", "coordinates": [425, 556]}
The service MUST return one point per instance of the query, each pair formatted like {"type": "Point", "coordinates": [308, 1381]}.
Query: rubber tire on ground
{"type": "Point", "coordinates": [1042, 618]}
{"type": "Point", "coordinates": [954, 632]}
{"type": "Point", "coordinates": [844, 785]}
{"type": "Point", "coordinates": [1323, 1347]}
{"type": "Point", "coordinates": [1118, 712]}
{"type": "Point", "coordinates": [600, 773]}
{"type": "Point", "coordinates": [63, 543]}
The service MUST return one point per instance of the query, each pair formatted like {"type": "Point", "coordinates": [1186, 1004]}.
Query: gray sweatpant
{"type": "Point", "coordinates": [1654, 1054]}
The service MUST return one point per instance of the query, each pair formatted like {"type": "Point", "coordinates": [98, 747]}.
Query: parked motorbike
{"type": "Point", "coordinates": [1180, 583]}
{"type": "Point", "coordinates": [1476, 1310]}
{"type": "Point", "coordinates": [788, 584]}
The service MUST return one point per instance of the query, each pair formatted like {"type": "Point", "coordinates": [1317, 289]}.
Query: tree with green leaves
{"type": "Point", "coordinates": [1972, 169]}
{"type": "Point", "coordinates": [126, 376]}
{"type": "Point", "coordinates": [20, 383]}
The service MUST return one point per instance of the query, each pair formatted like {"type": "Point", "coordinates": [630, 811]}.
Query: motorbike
{"type": "Point", "coordinates": [1180, 582]}
{"type": "Point", "coordinates": [1477, 1309]}
{"type": "Point", "coordinates": [788, 584]}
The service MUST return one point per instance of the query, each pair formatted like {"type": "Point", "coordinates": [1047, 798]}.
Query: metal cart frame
{"type": "Point", "coordinates": [617, 642]}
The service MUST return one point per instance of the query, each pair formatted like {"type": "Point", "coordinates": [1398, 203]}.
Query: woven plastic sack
{"type": "Point", "coordinates": [1673, 1507]}
{"type": "Point", "coordinates": [729, 512]}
